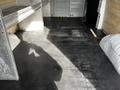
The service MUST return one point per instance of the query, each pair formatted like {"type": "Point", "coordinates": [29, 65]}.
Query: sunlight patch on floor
{"type": "Point", "coordinates": [32, 51]}
{"type": "Point", "coordinates": [72, 78]}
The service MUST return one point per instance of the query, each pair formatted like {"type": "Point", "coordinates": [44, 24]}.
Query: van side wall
{"type": "Point", "coordinates": [111, 24]}
{"type": "Point", "coordinates": [7, 3]}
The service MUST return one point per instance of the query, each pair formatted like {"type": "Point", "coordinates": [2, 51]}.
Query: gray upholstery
{"type": "Point", "coordinates": [111, 46]}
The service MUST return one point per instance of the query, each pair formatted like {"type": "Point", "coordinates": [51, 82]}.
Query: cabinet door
{"type": "Point", "coordinates": [61, 8]}
{"type": "Point", "coordinates": [77, 8]}
{"type": "Point", "coordinates": [8, 69]}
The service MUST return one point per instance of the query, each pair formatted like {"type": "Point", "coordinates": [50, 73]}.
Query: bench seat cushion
{"type": "Point", "coordinates": [111, 46]}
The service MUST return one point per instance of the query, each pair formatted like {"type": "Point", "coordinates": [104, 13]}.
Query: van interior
{"type": "Point", "coordinates": [59, 44]}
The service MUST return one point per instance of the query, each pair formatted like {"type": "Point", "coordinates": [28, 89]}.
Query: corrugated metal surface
{"type": "Point", "coordinates": [61, 8]}
{"type": "Point", "coordinates": [77, 8]}
{"type": "Point", "coordinates": [69, 8]}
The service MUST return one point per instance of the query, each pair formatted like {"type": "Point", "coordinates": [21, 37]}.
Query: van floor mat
{"type": "Point", "coordinates": [84, 52]}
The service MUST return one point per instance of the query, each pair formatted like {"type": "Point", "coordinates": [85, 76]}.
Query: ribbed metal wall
{"type": "Point", "coordinates": [77, 8]}
{"type": "Point", "coordinates": [69, 8]}
{"type": "Point", "coordinates": [61, 8]}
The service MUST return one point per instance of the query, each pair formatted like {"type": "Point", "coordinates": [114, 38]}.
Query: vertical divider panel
{"type": "Point", "coordinates": [8, 70]}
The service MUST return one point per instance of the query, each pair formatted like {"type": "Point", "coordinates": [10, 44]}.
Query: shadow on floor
{"type": "Point", "coordinates": [58, 22]}
{"type": "Point", "coordinates": [85, 53]}
{"type": "Point", "coordinates": [37, 70]}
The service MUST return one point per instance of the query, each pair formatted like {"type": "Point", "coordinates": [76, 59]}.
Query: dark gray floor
{"type": "Point", "coordinates": [78, 44]}
{"type": "Point", "coordinates": [69, 59]}
{"type": "Point", "coordinates": [36, 72]}
{"type": "Point", "coordinates": [86, 54]}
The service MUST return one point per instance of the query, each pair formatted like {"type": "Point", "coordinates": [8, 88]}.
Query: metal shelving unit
{"type": "Point", "coordinates": [8, 70]}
